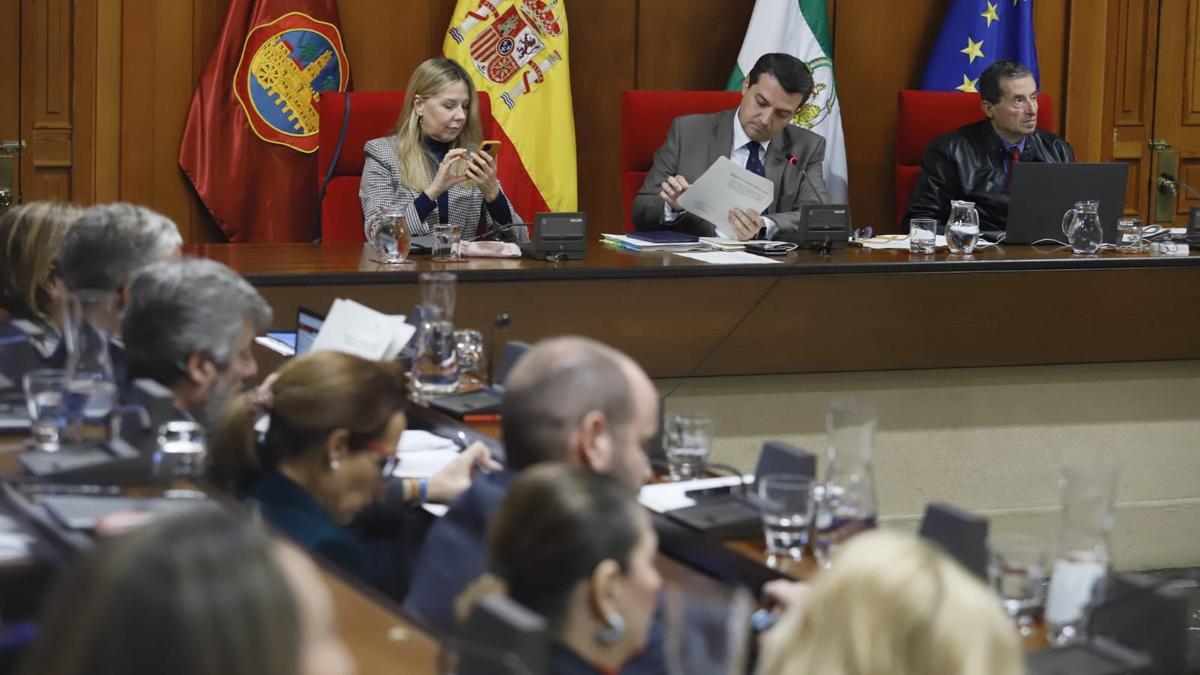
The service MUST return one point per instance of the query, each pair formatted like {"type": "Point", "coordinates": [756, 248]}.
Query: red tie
{"type": "Point", "coordinates": [1015, 158]}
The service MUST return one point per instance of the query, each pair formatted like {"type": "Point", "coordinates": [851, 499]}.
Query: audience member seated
{"type": "Point", "coordinates": [577, 548]}
{"type": "Point", "coordinates": [571, 400]}
{"type": "Point", "coordinates": [204, 593]}
{"type": "Point", "coordinates": [975, 162]}
{"type": "Point", "coordinates": [334, 424]}
{"type": "Point", "coordinates": [189, 325]}
{"type": "Point", "coordinates": [31, 288]}
{"type": "Point", "coordinates": [893, 605]}
{"type": "Point", "coordinates": [758, 135]}
{"type": "Point", "coordinates": [110, 243]}
{"type": "Point", "coordinates": [430, 169]}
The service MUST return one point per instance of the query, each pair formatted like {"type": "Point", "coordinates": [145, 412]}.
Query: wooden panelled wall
{"type": "Point", "coordinates": [147, 78]}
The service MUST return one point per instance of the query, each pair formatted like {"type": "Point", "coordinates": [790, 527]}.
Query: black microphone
{"type": "Point", "coordinates": [502, 321]}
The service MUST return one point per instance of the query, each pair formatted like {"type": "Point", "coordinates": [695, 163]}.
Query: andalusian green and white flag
{"type": "Point", "coordinates": [801, 28]}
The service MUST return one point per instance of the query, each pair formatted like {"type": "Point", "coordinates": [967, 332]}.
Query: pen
{"type": "Point", "coordinates": [490, 418]}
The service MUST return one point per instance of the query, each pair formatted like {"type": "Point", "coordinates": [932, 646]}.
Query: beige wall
{"type": "Point", "coordinates": [992, 439]}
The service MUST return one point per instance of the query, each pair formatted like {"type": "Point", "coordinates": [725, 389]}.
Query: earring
{"type": "Point", "coordinates": [333, 465]}
{"type": "Point", "coordinates": [613, 632]}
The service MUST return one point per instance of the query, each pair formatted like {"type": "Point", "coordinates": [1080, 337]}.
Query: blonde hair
{"type": "Point", "coordinates": [313, 396]}
{"type": "Point", "coordinates": [894, 605]}
{"type": "Point", "coordinates": [427, 81]}
{"type": "Point", "coordinates": [30, 238]}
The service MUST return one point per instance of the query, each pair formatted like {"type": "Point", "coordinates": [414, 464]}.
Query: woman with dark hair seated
{"type": "Point", "coordinates": [575, 547]}
{"type": "Point", "coordinates": [31, 289]}
{"type": "Point", "coordinates": [202, 593]}
{"type": "Point", "coordinates": [334, 424]}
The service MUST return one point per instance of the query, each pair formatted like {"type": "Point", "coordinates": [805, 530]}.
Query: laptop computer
{"type": "Point", "coordinates": [298, 342]}
{"type": "Point", "coordinates": [484, 401]}
{"type": "Point", "coordinates": [1042, 193]}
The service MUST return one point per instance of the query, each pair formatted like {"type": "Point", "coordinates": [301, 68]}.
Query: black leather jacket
{"type": "Point", "coordinates": [969, 164]}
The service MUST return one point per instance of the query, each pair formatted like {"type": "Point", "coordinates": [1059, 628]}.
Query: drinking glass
{"type": "Point", "coordinates": [392, 240]}
{"type": "Point", "coordinates": [1082, 560]}
{"type": "Point", "coordinates": [90, 392]}
{"type": "Point", "coordinates": [435, 368]}
{"type": "Point", "coordinates": [846, 500]}
{"type": "Point", "coordinates": [438, 294]}
{"type": "Point", "coordinates": [181, 451]}
{"type": "Point", "coordinates": [446, 240]}
{"type": "Point", "coordinates": [1129, 235]}
{"type": "Point", "coordinates": [44, 397]}
{"type": "Point", "coordinates": [468, 345]}
{"type": "Point", "coordinates": [786, 503]}
{"type": "Point", "coordinates": [688, 441]}
{"type": "Point", "coordinates": [1017, 570]}
{"type": "Point", "coordinates": [922, 235]}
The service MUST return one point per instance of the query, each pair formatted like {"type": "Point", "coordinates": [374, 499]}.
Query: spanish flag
{"type": "Point", "coordinates": [516, 51]}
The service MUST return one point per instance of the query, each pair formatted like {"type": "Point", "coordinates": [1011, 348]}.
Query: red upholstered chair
{"type": "Point", "coordinates": [645, 119]}
{"type": "Point", "coordinates": [372, 114]}
{"type": "Point", "coordinates": [922, 115]}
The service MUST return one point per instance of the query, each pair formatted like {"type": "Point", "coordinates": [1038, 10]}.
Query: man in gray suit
{"type": "Point", "coordinates": [757, 135]}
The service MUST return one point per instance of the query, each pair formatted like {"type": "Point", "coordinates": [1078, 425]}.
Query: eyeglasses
{"type": "Point", "coordinates": [388, 458]}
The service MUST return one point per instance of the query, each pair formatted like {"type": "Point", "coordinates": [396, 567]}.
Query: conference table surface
{"type": "Point", "coordinates": [804, 312]}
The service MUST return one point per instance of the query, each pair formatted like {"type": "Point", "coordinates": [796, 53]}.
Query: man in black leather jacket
{"type": "Point", "coordinates": [974, 163]}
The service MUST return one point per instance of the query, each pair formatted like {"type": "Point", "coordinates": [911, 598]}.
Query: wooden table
{"type": "Point", "coordinates": [857, 309]}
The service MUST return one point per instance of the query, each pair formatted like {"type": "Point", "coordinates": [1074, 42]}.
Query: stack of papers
{"type": "Point", "coordinates": [642, 245]}
{"type": "Point", "coordinates": [356, 329]}
{"type": "Point", "coordinates": [897, 242]}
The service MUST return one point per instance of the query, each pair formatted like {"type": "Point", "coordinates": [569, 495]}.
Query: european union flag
{"type": "Point", "coordinates": [977, 33]}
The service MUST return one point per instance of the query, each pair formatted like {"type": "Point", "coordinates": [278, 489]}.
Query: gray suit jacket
{"type": "Point", "coordinates": [381, 190]}
{"type": "Point", "coordinates": [694, 143]}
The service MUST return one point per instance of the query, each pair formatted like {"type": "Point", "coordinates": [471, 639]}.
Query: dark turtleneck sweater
{"type": "Point", "coordinates": [497, 208]}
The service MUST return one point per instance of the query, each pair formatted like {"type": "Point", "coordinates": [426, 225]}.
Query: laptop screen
{"type": "Point", "coordinates": [308, 324]}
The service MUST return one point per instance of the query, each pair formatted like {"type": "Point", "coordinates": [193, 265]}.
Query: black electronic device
{"type": "Point", "coordinates": [1043, 192]}
{"type": "Point", "coordinates": [1148, 615]}
{"type": "Point", "coordinates": [664, 237]}
{"type": "Point", "coordinates": [959, 533]}
{"type": "Point", "coordinates": [734, 514]}
{"type": "Point", "coordinates": [111, 463]}
{"type": "Point", "coordinates": [1097, 656]}
{"type": "Point", "coordinates": [1193, 227]}
{"type": "Point", "coordinates": [484, 401]}
{"type": "Point", "coordinates": [14, 414]}
{"type": "Point", "coordinates": [148, 405]}
{"type": "Point", "coordinates": [557, 236]}
{"type": "Point", "coordinates": [824, 227]}
{"type": "Point", "coordinates": [502, 637]}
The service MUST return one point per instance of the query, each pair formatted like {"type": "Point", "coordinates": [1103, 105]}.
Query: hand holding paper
{"type": "Point", "coordinates": [724, 188]}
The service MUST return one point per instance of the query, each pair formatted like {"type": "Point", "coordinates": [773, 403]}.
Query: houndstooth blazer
{"type": "Point", "coordinates": [381, 190]}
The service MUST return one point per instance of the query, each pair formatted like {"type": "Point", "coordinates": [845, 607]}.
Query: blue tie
{"type": "Point", "coordinates": [754, 163]}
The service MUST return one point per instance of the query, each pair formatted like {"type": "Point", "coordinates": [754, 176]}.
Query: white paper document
{"type": "Point", "coordinates": [417, 440]}
{"type": "Point", "coordinates": [356, 329]}
{"type": "Point", "coordinates": [729, 258]}
{"type": "Point", "coordinates": [662, 497]}
{"type": "Point", "coordinates": [897, 242]}
{"type": "Point", "coordinates": [724, 187]}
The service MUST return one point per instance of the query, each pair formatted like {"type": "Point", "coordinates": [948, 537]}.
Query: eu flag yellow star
{"type": "Point", "coordinates": [974, 50]}
{"type": "Point", "coordinates": [990, 14]}
{"type": "Point", "coordinates": [968, 85]}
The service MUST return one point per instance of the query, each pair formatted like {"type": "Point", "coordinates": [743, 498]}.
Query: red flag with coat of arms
{"type": "Point", "coordinates": [249, 144]}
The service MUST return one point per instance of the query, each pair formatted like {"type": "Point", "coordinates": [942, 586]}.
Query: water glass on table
{"type": "Point", "coordinates": [1017, 571]}
{"type": "Point", "coordinates": [786, 503]}
{"type": "Point", "coordinates": [44, 398]}
{"type": "Point", "coordinates": [688, 441]}
{"type": "Point", "coordinates": [1129, 235]}
{"type": "Point", "coordinates": [446, 243]}
{"type": "Point", "coordinates": [181, 451]}
{"type": "Point", "coordinates": [468, 347]}
{"type": "Point", "coordinates": [392, 240]}
{"type": "Point", "coordinates": [922, 235]}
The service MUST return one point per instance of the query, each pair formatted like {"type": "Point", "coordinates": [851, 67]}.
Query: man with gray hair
{"type": "Point", "coordinates": [109, 243]}
{"type": "Point", "coordinates": [189, 325]}
{"type": "Point", "coordinates": [569, 399]}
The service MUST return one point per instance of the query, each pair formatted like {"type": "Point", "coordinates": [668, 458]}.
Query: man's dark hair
{"type": "Point", "coordinates": [991, 81]}
{"type": "Point", "coordinates": [789, 71]}
{"type": "Point", "coordinates": [549, 391]}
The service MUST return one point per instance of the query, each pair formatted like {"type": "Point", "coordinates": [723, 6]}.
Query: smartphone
{"type": "Point", "coordinates": [492, 148]}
